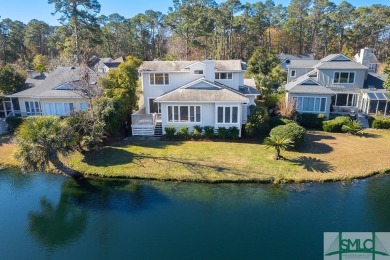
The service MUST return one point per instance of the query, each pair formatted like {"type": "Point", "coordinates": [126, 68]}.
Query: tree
{"type": "Point", "coordinates": [387, 72]}
{"type": "Point", "coordinates": [81, 14]}
{"type": "Point", "coordinates": [278, 143]}
{"type": "Point", "coordinates": [40, 63]}
{"type": "Point", "coordinates": [10, 79]}
{"type": "Point", "coordinates": [39, 140]}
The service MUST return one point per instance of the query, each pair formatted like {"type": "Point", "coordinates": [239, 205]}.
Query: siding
{"type": "Point", "coordinates": [298, 72]}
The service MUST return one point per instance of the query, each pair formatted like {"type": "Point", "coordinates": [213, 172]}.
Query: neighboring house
{"type": "Point", "coordinates": [189, 93]}
{"type": "Point", "coordinates": [106, 64]}
{"type": "Point", "coordinates": [336, 85]}
{"type": "Point", "coordinates": [57, 93]}
{"type": "Point", "coordinates": [286, 59]}
{"type": "Point", "coordinates": [368, 59]}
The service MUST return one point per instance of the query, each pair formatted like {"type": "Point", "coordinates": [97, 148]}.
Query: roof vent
{"type": "Point", "coordinates": [72, 68]}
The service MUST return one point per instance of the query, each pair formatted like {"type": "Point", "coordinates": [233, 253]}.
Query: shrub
{"type": "Point", "coordinates": [234, 132]}
{"type": "Point", "coordinates": [256, 120]}
{"type": "Point", "coordinates": [381, 123]}
{"type": "Point", "coordinates": [208, 132]}
{"type": "Point", "coordinates": [312, 121]}
{"type": "Point", "coordinates": [197, 133]}
{"type": "Point", "coordinates": [250, 129]}
{"type": "Point", "coordinates": [170, 131]}
{"type": "Point", "coordinates": [183, 131]}
{"type": "Point", "coordinates": [276, 121]}
{"type": "Point", "coordinates": [335, 125]}
{"type": "Point", "coordinates": [13, 122]}
{"type": "Point", "coordinates": [271, 100]}
{"type": "Point", "coordinates": [222, 132]}
{"type": "Point", "coordinates": [353, 127]}
{"type": "Point", "coordinates": [292, 131]}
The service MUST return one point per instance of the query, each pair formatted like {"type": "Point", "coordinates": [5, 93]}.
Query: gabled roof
{"type": "Point", "coordinates": [303, 63]}
{"type": "Point", "coordinates": [57, 84]}
{"type": "Point", "coordinates": [307, 85]}
{"type": "Point", "coordinates": [112, 64]}
{"type": "Point", "coordinates": [202, 90]}
{"type": "Point", "coordinates": [220, 65]}
{"type": "Point", "coordinates": [338, 61]}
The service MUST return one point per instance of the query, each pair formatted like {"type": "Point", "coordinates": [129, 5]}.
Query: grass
{"type": "Point", "coordinates": [324, 157]}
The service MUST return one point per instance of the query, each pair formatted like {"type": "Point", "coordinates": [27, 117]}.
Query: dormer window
{"type": "Point", "coordinates": [223, 75]}
{"type": "Point", "coordinates": [159, 79]}
{"type": "Point", "coordinates": [198, 71]}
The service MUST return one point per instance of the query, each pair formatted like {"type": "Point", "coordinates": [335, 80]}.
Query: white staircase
{"type": "Point", "coordinates": [3, 126]}
{"type": "Point", "coordinates": [363, 120]}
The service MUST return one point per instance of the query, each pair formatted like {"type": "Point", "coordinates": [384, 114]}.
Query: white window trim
{"type": "Point", "coordinates": [231, 115]}
{"type": "Point", "coordinates": [348, 83]}
{"type": "Point", "coordinates": [199, 73]}
{"type": "Point", "coordinates": [159, 104]}
{"type": "Point", "coordinates": [307, 111]}
{"type": "Point", "coordinates": [63, 106]}
{"type": "Point", "coordinates": [189, 116]}
{"type": "Point", "coordinates": [219, 77]}
{"type": "Point", "coordinates": [154, 76]}
{"type": "Point", "coordinates": [33, 102]}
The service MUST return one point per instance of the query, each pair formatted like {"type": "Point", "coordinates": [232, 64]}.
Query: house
{"type": "Point", "coordinates": [368, 59]}
{"type": "Point", "coordinates": [189, 93]}
{"type": "Point", "coordinates": [285, 59]}
{"type": "Point", "coordinates": [106, 64]}
{"type": "Point", "coordinates": [336, 85]}
{"type": "Point", "coordinates": [57, 93]}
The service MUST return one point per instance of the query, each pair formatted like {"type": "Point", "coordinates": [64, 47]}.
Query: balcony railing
{"type": "Point", "coordinates": [143, 119]}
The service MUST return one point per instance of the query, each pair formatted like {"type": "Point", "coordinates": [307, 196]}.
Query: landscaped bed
{"type": "Point", "coordinates": [323, 157]}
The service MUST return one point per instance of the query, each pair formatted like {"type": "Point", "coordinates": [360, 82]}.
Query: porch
{"type": "Point", "coordinates": [143, 124]}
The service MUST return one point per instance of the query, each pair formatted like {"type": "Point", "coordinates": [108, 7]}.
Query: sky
{"type": "Point", "coordinates": [26, 10]}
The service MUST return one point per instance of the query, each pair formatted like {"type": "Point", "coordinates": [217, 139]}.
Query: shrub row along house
{"type": "Point", "coordinates": [337, 84]}
{"type": "Point", "coordinates": [190, 93]}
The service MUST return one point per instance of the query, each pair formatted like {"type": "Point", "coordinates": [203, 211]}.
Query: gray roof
{"type": "Point", "coordinates": [45, 86]}
{"type": "Point", "coordinates": [375, 80]}
{"type": "Point", "coordinates": [344, 65]}
{"type": "Point", "coordinates": [112, 64]}
{"type": "Point", "coordinates": [283, 56]}
{"type": "Point", "coordinates": [221, 65]}
{"type": "Point", "coordinates": [250, 82]}
{"type": "Point", "coordinates": [203, 91]}
{"type": "Point", "coordinates": [311, 89]}
{"type": "Point", "coordinates": [303, 63]}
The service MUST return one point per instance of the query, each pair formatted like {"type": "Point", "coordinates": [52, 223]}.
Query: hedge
{"type": "Point", "coordinates": [292, 131]}
{"type": "Point", "coordinates": [381, 123]}
{"type": "Point", "coordinates": [336, 125]}
{"type": "Point", "coordinates": [311, 121]}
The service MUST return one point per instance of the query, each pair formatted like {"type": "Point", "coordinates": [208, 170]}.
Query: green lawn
{"type": "Point", "coordinates": [324, 157]}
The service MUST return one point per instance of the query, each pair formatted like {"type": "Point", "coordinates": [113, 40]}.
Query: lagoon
{"type": "Point", "coordinates": [54, 217]}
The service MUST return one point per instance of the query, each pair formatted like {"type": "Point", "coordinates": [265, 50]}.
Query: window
{"type": "Point", "coordinates": [310, 104]}
{"type": "Point", "coordinates": [347, 100]}
{"type": "Point", "coordinates": [184, 114]}
{"type": "Point", "coordinates": [371, 66]}
{"type": "Point", "coordinates": [154, 107]}
{"type": "Point", "coordinates": [344, 77]}
{"type": "Point", "coordinates": [224, 75]}
{"type": "Point", "coordinates": [62, 109]}
{"type": "Point", "coordinates": [83, 106]}
{"type": "Point", "coordinates": [159, 79]}
{"type": "Point", "coordinates": [198, 71]}
{"type": "Point", "coordinates": [227, 115]}
{"type": "Point", "coordinates": [293, 73]}
{"type": "Point", "coordinates": [33, 108]}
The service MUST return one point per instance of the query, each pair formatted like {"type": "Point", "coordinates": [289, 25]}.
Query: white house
{"type": "Point", "coordinates": [336, 85]}
{"type": "Point", "coordinates": [57, 93]}
{"type": "Point", "coordinates": [189, 93]}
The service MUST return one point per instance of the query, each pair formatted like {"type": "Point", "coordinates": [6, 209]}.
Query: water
{"type": "Point", "coordinates": [52, 217]}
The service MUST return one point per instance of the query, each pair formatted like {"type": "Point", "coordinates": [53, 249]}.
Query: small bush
{"type": "Point", "coordinates": [208, 132]}
{"type": "Point", "coordinates": [353, 127]}
{"type": "Point", "coordinates": [13, 122]}
{"type": "Point", "coordinates": [381, 123]}
{"type": "Point", "coordinates": [256, 120]}
{"type": "Point", "coordinates": [234, 132]}
{"type": "Point", "coordinates": [197, 133]}
{"type": "Point", "coordinates": [335, 125]}
{"type": "Point", "coordinates": [312, 121]}
{"type": "Point", "coordinates": [183, 132]}
{"type": "Point", "coordinates": [292, 131]}
{"type": "Point", "coordinates": [170, 131]}
{"type": "Point", "coordinates": [222, 132]}
{"type": "Point", "coordinates": [276, 121]}
{"type": "Point", "coordinates": [271, 100]}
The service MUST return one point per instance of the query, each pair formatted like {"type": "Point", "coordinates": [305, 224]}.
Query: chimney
{"type": "Point", "coordinates": [31, 74]}
{"type": "Point", "coordinates": [209, 70]}
{"type": "Point", "coordinates": [364, 57]}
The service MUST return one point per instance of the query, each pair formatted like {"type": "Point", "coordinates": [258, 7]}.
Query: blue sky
{"type": "Point", "coordinates": [25, 10]}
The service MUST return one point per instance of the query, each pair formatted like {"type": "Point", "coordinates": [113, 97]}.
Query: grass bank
{"type": "Point", "coordinates": [324, 157]}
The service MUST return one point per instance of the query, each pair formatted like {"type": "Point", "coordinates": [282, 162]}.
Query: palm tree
{"type": "Point", "coordinates": [279, 143]}
{"type": "Point", "coordinates": [353, 127]}
{"type": "Point", "coordinates": [40, 140]}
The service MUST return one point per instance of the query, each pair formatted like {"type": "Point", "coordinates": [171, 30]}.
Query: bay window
{"type": "Point", "coordinates": [184, 114]}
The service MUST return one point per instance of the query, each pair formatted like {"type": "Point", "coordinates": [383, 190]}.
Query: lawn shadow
{"type": "Point", "coordinates": [369, 135]}
{"type": "Point", "coordinates": [312, 144]}
{"type": "Point", "coordinates": [312, 164]}
{"type": "Point", "coordinates": [108, 156]}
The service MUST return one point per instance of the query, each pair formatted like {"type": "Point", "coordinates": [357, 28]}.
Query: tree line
{"type": "Point", "coordinates": [197, 29]}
